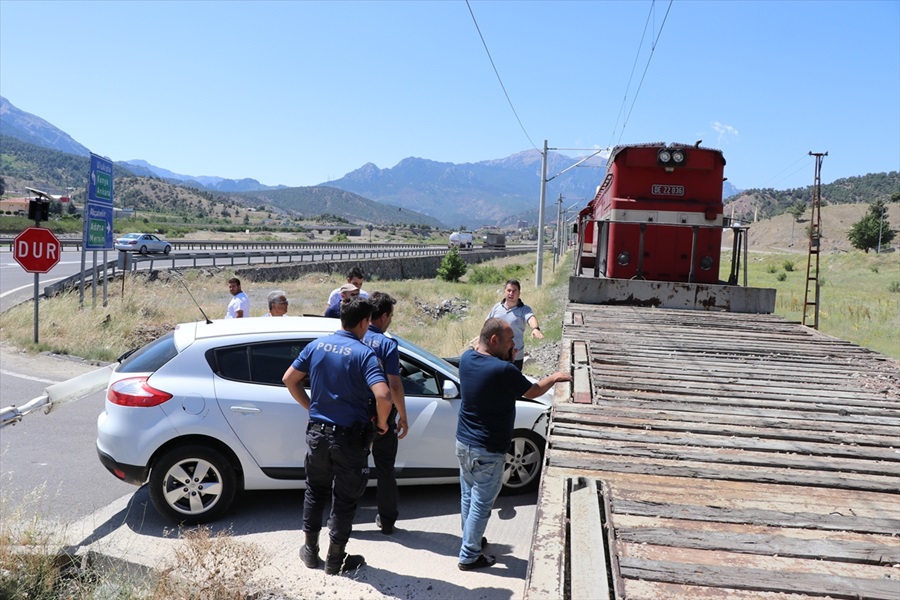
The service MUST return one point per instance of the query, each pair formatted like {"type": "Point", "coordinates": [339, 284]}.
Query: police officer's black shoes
{"type": "Point", "coordinates": [309, 552]}
{"type": "Point", "coordinates": [386, 527]}
{"type": "Point", "coordinates": [338, 561]}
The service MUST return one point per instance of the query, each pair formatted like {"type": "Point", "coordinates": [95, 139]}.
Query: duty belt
{"type": "Point", "coordinates": [328, 428]}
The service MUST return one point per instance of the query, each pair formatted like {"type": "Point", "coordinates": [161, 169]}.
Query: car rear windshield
{"type": "Point", "coordinates": [151, 357]}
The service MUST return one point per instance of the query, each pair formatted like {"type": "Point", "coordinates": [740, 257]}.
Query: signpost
{"type": "Point", "coordinates": [98, 219]}
{"type": "Point", "coordinates": [38, 251]}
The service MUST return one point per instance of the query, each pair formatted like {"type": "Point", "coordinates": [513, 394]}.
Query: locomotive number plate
{"type": "Point", "coordinates": [667, 190]}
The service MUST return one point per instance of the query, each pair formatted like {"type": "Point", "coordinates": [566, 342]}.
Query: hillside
{"type": "Point", "coordinates": [768, 202]}
{"type": "Point", "coordinates": [783, 234]}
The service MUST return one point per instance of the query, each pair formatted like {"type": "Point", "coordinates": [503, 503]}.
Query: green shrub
{"type": "Point", "coordinates": [452, 266]}
{"type": "Point", "coordinates": [894, 288]}
{"type": "Point", "coordinates": [874, 268]}
{"type": "Point", "coordinates": [788, 266]}
{"type": "Point", "coordinates": [771, 269]}
{"type": "Point", "coordinates": [781, 276]}
{"type": "Point", "coordinates": [486, 274]}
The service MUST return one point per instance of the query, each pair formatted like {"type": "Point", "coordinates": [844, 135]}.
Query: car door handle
{"type": "Point", "coordinates": [246, 410]}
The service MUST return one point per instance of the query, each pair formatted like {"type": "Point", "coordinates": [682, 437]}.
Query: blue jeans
{"type": "Point", "coordinates": [480, 480]}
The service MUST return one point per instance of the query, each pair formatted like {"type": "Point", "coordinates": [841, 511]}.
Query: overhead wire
{"type": "Point", "coordinates": [646, 67]}
{"type": "Point", "coordinates": [497, 73]}
{"type": "Point", "coordinates": [637, 55]}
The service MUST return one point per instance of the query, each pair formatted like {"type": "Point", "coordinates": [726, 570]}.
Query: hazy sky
{"type": "Point", "coordinates": [297, 93]}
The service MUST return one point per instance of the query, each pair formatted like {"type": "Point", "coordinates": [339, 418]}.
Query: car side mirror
{"type": "Point", "coordinates": [450, 390]}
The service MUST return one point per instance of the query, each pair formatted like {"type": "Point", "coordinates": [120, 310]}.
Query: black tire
{"type": "Point", "coordinates": [183, 498]}
{"type": "Point", "coordinates": [143, 249]}
{"type": "Point", "coordinates": [167, 250]}
{"type": "Point", "coordinates": [524, 462]}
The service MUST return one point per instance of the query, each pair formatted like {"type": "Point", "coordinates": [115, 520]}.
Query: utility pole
{"type": "Point", "coordinates": [556, 243]}
{"type": "Point", "coordinates": [540, 248]}
{"type": "Point", "coordinates": [815, 234]}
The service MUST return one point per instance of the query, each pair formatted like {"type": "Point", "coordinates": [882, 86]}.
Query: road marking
{"type": "Point", "coordinates": [30, 285]}
{"type": "Point", "coordinates": [29, 377]}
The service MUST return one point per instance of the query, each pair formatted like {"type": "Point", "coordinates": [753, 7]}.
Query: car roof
{"type": "Point", "coordinates": [186, 333]}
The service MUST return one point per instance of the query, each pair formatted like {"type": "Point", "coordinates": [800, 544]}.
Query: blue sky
{"type": "Point", "coordinates": [298, 93]}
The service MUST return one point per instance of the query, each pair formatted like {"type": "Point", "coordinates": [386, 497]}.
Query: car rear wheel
{"type": "Point", "coordinates": [524, 460]}
{"type": "Point", "coordinates": [192, 484]}
{"type": "Point", "coordinates": [143, 249]}
{"type": "Point", "coordinates": [167, 250]}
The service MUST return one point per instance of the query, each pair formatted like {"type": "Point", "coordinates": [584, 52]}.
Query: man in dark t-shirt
{"type": "Point", "coordinates": [489, 385]}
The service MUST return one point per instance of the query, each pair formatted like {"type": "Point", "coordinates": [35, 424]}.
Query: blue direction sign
{"type": "Point", "coordinates": [100, 182]}
{"type": "Point", "coordinates": [98, 227]}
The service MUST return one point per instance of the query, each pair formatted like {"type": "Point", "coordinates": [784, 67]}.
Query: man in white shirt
{"type": "Point", "coordinates": [354, 276]}
{"type": "Point", "coordinates": [239, 306]}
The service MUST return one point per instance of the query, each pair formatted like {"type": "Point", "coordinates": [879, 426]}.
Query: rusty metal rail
{"type": "Point", "coordinates": [738, 456]}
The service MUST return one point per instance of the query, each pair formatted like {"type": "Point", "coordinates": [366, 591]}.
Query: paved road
{"type": "Point", "coordinates": [48, 466]}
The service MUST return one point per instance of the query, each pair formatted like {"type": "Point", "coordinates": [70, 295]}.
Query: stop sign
{"type": "Point", "coordinates": [37, 250]}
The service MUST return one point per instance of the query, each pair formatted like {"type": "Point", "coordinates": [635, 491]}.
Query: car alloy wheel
{"type": "Point", "coordinates": [143, 249]}
{"type": "Point", "coordinates": [524, 460]}
{"type": "Point", "coordinates": [192, 484]}
{"type": "Point", "coordinates": [167, 250]}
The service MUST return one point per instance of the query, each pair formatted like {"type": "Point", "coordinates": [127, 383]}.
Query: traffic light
{"type": "Point", "coordinates": [38, 210]}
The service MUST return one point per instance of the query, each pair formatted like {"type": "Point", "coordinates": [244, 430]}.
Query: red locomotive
{"type": "Point", "coordinates": [656, 216]}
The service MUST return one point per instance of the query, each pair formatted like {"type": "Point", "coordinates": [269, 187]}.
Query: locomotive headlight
{"type": "Point", "coordinates": [678, 157]}
{"type": "Point", "coordinates": [664, 157]}
{"type": "Point", "coordinates": [623, 258]}
{"type": "Point", "coordinates": [706, 263]}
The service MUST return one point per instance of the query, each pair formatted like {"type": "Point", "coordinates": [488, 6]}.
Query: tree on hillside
{"type": "Point", "coordinates": [872, 230]}
{"type": "Point", "coordinates": [797, 210]}
{"type": "Point", "coordinates": [452, 266]}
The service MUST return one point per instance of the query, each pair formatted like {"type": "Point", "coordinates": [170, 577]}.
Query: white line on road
{"type": "Point", "coordinates": [30, 285]}
{"type": "Point", "coordinates": [29, 377]}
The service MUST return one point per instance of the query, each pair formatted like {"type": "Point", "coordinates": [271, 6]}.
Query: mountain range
{"type": "Point", "coordinates": [502, 191]}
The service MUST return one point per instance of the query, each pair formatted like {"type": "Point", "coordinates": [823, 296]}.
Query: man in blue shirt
{"type": "Point", "coordinates": [343, 375]}
{"type": "Point", "coordinates": [384, 448]}
{"type": "Point", "coordinates": [489, 385]}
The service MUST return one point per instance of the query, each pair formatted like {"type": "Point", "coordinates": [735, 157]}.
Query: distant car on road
{"type": "Point", "coordinates": [203, 415]}
{"type": "Point", "coordinates": [143, 243]}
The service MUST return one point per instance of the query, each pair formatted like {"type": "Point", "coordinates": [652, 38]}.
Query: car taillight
{"type": "Point", "coordinates": [135, 391]}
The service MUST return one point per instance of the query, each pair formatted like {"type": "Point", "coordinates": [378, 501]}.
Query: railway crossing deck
{"type": "Point", "coordinates": [718, 455]}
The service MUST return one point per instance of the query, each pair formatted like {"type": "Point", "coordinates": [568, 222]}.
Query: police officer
{"type": "Point", "coordinates": [384, 447]}
{"type": "Point", "coordinates": [344, 374]}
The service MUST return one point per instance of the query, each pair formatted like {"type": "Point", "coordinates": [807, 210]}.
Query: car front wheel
{"type": "Point", "coordinates": [143, 249]}
{"type": "Point", "coordinates": [524, 460]}
{"type": "Point", "coordinates": [167, 249]}
{"type": "Point", "coordinates": [192, 484]}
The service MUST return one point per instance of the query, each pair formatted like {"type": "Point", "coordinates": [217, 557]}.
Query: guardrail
{"type": "Point", "coordinates": [180, 245]}
{"type": "Point", "coordinates": [335, 252]}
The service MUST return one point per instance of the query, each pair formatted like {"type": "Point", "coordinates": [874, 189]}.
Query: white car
{"type": "Point", "coordinates": [143, 243]}
{"type": "Point", "coordinates": [203, 414]}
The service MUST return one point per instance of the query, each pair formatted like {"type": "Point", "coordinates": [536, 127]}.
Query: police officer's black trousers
{"type": "Point", "coordinates": [337, 468]}
{"type": "Point", "coordinates": [384, 453]}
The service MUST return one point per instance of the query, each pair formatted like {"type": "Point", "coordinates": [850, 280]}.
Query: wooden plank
{"type": "Point", "coordinates": [588, 567]}
{"type": "Point", "coordinates": [546, 567]}
{"type": "Point", "coordinates": [769, 518]}
{"type": "Point", "coordinates": [581, 374]}
{"type": "Point", "coordinates": [672, 420]}
{"type": "Point", "coordinates": [768, 545]}
{"type": "Point", "coordinates": [760, 580]}
{"type": "Point", "coordinates": [723, 456]}
{"type": "Point", "coordinates": [589, 464]}
{"type": "Point", "coordinates": [704, 440]}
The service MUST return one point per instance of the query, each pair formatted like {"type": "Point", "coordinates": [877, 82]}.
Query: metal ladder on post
{"type": "Point", "coordinates": [815, 234]}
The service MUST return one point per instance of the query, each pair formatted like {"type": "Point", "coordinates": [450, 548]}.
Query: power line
{"type": "Point", "coordinates": [646, 67]}
{"type": "Point", "coordinates": [497, 73]}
